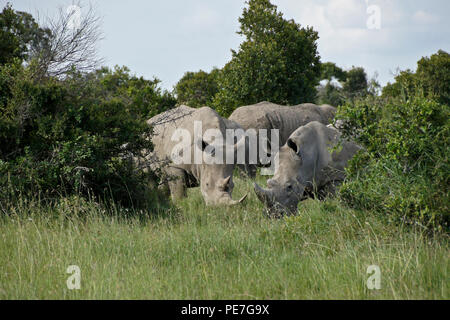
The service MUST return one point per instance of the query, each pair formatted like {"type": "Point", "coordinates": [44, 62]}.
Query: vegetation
{"type": "Point", "coordinates": [198, 252]}
{"type": "Point", "coordinates": [432, 79]}
{"type": "Point", "coordinates": [277, 62]}
{"type": "Point", "coordinates": [197, 89]}
{"type": "Point", "coordinates": [20, 35]}
{"type": "Point", "coordinates": [403, 170]}
{"type": "Point", "coordinates": [75, 134]}
{"type": "Point", "coordinates": [342, 86]}
{"type": "Point", "coordinates": [63, 137]}
{"type": "Point", "coordinates": [70, 195]}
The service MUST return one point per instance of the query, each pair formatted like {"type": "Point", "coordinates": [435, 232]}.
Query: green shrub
{"type": "Point", "coordinates": [68, 136]}
{"type": "Point", "coordinates": [403, 169]}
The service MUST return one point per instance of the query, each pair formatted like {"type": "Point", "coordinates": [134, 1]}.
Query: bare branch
{"type": "Point", "coordinates": [75, 35]}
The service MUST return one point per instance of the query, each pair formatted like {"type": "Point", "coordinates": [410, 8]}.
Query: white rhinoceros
{"type": "Point", "coordinates": [312, 161]}
{"type": "Point", "coordinates": [215, 180]}
{"type": "Point", "coordinates": [267, 116]}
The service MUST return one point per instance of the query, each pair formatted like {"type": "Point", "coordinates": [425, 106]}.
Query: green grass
{"type": "Point", "coordinates": [197, 252]}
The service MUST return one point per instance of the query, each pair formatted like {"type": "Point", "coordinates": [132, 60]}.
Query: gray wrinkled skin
{"type": "Point", "coordinates": [313, 159]}
{"type": "Point", "coordinates": [215, 180]}
{"type": "Point", "coordinates": [267, 115]}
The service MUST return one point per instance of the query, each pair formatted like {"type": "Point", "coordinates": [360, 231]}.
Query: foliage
{"type": "Point", "coordinates": [20, 35]}
{"type": "Point", "coordinates": [330, 93]}
{"type": "Point", "coordinates": [403, 170]}
{"type": "Point", "coordinates": [62, 137]}
{"type": "Point", "coordinates": [143, 95]}
{"type": "Point", "coordinates": [431, 79]}
{"type": "Point", "coordinates": [338, 85]}
{"type": "Point", "coordinates": [356, 84]}
{"type": "Point", "coordinates": [197, 89]}
{"type": "Point", "coordinates": [277, 62]}
{"type": "Point", "coordinates": [330, 70]}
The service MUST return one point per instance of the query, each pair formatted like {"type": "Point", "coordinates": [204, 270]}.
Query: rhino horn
{"type": "Point", "coordinates": [233, 202]}
{"type": "Point", "coordinates": [226, 181]}
{"type": "Point", "coordinates": [266, 196]}
{"type": "Point", "coordinates": [243, 198]}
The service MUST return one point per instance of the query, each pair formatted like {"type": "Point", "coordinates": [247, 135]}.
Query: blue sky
{"type": "Point", "coordinates": [164, 39]}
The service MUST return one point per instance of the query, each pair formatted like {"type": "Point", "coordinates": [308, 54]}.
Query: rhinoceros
{"type": "Point", "coordinates": [312, 160]}
{"type": "Point", "coordinates": [215, 179]}
{"type": "Point", "coordinates": [267, 115]}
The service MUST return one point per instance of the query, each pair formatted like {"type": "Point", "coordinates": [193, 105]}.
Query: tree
{"type": "Point", "coordinates": [56, 49]}
{"type": "Point", "coordinates": [356, 84]}
{"type": "Point", "coordinates": [330, 71]}
{"type": "Point", "coordinates": [433, 74]}
{"type": "Point", "coordinates": [67, 130]}
{"type": "Point", "coordinates": [338, 85]}
{"type": "Point", "coordinates": [432, 79]}
{"type": "Point", "coordinates": [20, 35]}
{"type": "Point", "coordinates": [141, 94]}
{"type": "Point", "coordinates": [330, 89]}
{"type": "Point", "coordinates": [71, 46]}
{"type": "Point", "coordinates": [197, 89]}
{"type": "Point", "coordinates": [76, 135]}
{"type": "Point", "coordinates": [331, 94]}
{"type": "Point", "coordinates": [277, 62]}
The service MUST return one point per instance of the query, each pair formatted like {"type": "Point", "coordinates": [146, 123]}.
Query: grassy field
{"type": "Point", "coordinates": [195, 252]}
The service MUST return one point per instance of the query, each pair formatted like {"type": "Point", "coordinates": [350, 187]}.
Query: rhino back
{"type": "Point", "coordinates": [286, 119]}
{"type": "Point", "coordinates": [183, 117]}
{"type": "Point", "coordinates": [254, 116]}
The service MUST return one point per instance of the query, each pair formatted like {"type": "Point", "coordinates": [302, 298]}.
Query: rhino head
{"type": "Point", "coordinates": [294, 174]}
{"type": "Point", "coordinates": [216, 185]}
{"type": "Point", "coordinates": [216, 180]}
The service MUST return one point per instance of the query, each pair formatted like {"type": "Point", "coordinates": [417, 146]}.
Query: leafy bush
{"type": "Point", "coordinates": [403, 170]}
{"type": "Point", "coordinates": [68, 136]}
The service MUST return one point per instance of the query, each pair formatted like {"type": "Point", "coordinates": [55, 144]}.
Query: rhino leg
{"type": "Point", "coordinates": [177, 183]}
{"type": "Point", "coordinates": [163, 188]}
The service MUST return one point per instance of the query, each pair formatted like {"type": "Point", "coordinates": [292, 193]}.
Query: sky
{"type": "Point", "coordinates": [165, 39]}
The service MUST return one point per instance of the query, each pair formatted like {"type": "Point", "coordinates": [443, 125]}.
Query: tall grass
{"type": "Point", "coordinates": [198, 252]}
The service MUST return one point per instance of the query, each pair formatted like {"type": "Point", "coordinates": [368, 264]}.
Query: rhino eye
{"type": "Point", "coordinates": [289, 187]}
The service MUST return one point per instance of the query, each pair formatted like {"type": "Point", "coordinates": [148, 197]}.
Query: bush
{"type": "Point", "coordinates": [65, 137]}
{"type": "Point", "coordinates": [403, 169]}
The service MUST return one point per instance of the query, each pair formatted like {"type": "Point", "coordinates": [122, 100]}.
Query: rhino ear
{"type": "Point", "coordinates": [204, 145]}
{"type": "Point", "coordinates": [291, 143]}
